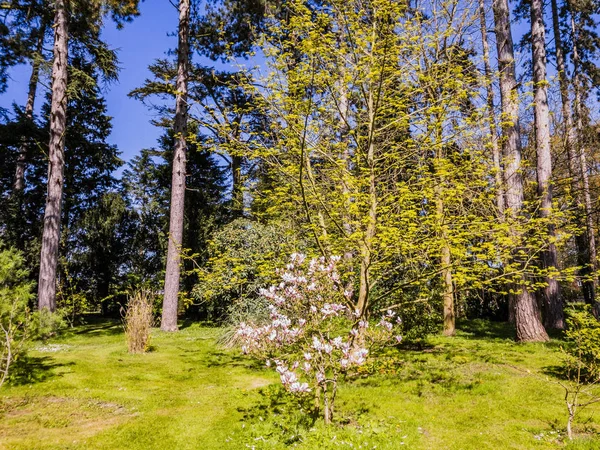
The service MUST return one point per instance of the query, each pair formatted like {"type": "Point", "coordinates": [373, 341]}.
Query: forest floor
{"type": "Point", "coordinates": [478, 390]}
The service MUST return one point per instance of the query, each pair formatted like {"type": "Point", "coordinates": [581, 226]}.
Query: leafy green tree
{"type": "Point", "coordinates": [15, 317]}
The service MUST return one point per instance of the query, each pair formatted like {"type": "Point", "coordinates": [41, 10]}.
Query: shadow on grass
{"type": "Point", "coordinates": [219, 358]}
{"type": "Point", "coordinates": [288, 416]}
{"type": "Point", "coordinates": [483, 329]}
{"type": "Point", "coordinates": [104, 328]}
{"type": "Point", "coordinates": [34, 369]}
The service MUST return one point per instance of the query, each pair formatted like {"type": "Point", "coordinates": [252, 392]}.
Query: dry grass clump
{"type": "Point", "coordinates": [138, 320]}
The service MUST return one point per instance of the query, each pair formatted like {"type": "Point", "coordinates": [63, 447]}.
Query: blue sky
{"type": "Point", "coordinates": [138, 44]}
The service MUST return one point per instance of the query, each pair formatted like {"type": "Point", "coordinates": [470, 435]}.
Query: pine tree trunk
{"type": "Point", "coordinates": [591, 238]}
{"type": "Point", "coordinates": [172, 273]}
{"type": "Point", "coordinates": [527, 314]}
{"type": "Point", "coordinates": [492, 122]}
{"type": "Point", "coordinates": [551, 293]}
{"type": "Point", "coordinates": [583, 259]}
{"type": "Point", "coordinates": [56, 149]}
{"type": "Point", "coordinates": [19, 183]}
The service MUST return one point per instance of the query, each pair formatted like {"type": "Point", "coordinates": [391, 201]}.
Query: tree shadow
{"type": "Point", "coordinates": [106, 328]}
{"type": "Point", "coordinates": [34, 369]}
{"type": "Point", "coordinates": [220, 358]}
{"type": "Point", "coordinates": [289, 415]}
{"type": "Point", "coordinates": [485, 329]}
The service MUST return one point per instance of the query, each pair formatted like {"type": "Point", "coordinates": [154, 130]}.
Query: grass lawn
{"type": "Point", "coordinates": [478, 390]}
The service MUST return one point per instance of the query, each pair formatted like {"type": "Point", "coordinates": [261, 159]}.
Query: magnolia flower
{"type": "Point", "coordinates": [385, 324]}
{"type": "Point", "coordinates": [299, 387]}
{"type": "Point", "coordinates": [358, 357]}
{"type": "Point", "coordinates": [288, 277]}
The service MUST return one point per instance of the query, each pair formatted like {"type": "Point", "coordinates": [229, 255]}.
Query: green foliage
{"type": "Point", "coordinates": [15, 316]}
{"type": "Point", "coordinates": [71, 302]}
{"type": "Point", "coordinates": [583, 343]}
{"type": "Point", "coordinates": [47, 325]}
{"type": "Point", "coordinates": [243, 256]}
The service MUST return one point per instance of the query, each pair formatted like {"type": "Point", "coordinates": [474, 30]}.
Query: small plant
{"type": "Point", "coordinates": [15, 316]}
{"type": "Point", "coordinates": [71, 302]}
{"type": "Point", "coordinates": [138, 320]}
{"type": "Point", "coordinates": [313, 336]}
{"type": "Point", "coordinates": [582, 363]}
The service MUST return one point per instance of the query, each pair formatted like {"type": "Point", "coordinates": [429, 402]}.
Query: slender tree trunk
{"type": "Point", "coordinates": [591, 238]}
{"type": "Point", "coordinates": [56, 150]}
{"type": "Point", "coordinates": [172, 273]}
{"type": "Point", "coordinates": [583, 258]}
{"type": "Point", "coordinates": [527, 314]}
{"type": "Point", "coordinates": [551, 293]}
{"type": "Point", "coordinates": [237, 195]}
{"type": "Point", "coordinates": [490, 104]}
{"type": "Point", "coordinates": [19, 183]}
{"type": "Point", "coordinates": [446, 262]}
{"type": "Point", "coordinates": [365, 251]}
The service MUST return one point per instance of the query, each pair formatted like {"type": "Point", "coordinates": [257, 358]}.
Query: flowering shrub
{"type": "Point", "coordinates": [315, 335]}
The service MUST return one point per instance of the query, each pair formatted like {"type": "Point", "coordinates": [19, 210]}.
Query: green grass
{"type": "Point", "coordinates": [478, 390]}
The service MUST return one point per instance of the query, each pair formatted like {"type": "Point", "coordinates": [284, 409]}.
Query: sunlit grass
{"type": "Point", "coordinates": [478, 390]}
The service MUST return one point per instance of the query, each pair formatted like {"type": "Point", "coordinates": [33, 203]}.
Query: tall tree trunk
{"type": "Point", "coordinates": [490, 105]}
{"type": "Point", "coordinates": [445, 263]}
{"type": "Point", "coordinates": [172, 273]}
{"type": "Point", "coordinates": [19, 183]}
{"type": "Point", "coordinates": [554, 317]}
{"type": "Point", "coordinates": [583, 258]}
{"type": "Point", "coordinates": [591, 238]}
{"type": "Point", "coordinates": [527, 313]}
{"type": "Point", "coordinates": [56, 150]}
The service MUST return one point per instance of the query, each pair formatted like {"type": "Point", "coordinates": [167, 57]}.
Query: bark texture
{"type": "Point", "coordinates": [172, 273]}
{"type": "Point", "coordinates": [552, 302]}
{"type": "Point", "coordinates": [528, 319]}
{"type": "Point", "coordinates": [56, 150]}
{"type": "Point", "coordinates": [583, 257]}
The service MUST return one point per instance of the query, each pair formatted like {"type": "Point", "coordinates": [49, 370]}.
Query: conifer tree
{"type": "Point", "coordinates": [551, 295]}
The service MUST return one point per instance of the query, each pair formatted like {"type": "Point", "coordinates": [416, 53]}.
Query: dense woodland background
{"type": "Point", "coordinates": [399, 135]}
